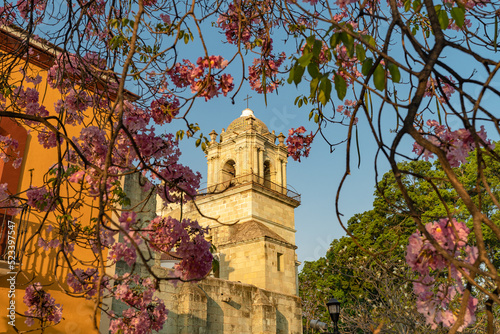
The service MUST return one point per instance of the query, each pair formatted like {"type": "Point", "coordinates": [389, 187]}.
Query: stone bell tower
{"type": "Point", "coordinates": [247, 206]}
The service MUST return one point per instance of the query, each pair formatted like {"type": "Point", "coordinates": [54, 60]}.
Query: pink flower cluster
{"type": "Point", "coordinates": [41, 199]}
{"type": "Point", "coordinates": [73, 106]}
{"type": "Point", "coordinates": [349, 64]}
{"type": "Point", "coordinates": [187, 240]}
{"type": "Point", "coordinates": [164, 109]}
{"type": "Point", "coordinates": [298, 144]}
{"type": "Point", "coordinates": [262, 74]}
{"type": "Point", "coordinates": [432, 89]}
{"type": "Point", "coordinates": [31, 7]}
{"type": "Point", "coordinates": [85, 282]}
{"type": "Point", "coordinates": [122, 251]}
{"type": "Point", "coordinates": [202, 79]}
{"type": "Point", "coordinates": [238, 25]}
{"type": "Point", "coordinates": [346, 109]}
{"type": "Point", "coordinates": [145, 314]}
{"type": "Point", "coordinates": [28, 99]}
{"type": "Point", "coordinates": [7, 14]}
{"type": "Point", "coordinates": [242, 22]}
{"type": "Point", "coordinates": [8, 147]}
{"type": "Point", "coordinates": [6, 202]}
{"type": "Point", "coordinates": [437, 297]}
{"type": "Point", "coordinates": [183, 179]}
{"type": "Point", "coordinates": [457, 144]}
{"type": "Point", "coordinates": [41, 306]}
{"type": "Point", "coordinates": [71, 71]}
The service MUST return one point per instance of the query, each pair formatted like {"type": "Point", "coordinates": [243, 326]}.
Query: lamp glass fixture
{"type": "Point", "coordinates": [334, 309]}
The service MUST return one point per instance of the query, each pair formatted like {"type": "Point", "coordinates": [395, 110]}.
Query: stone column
{"type": "Point", "coordinates": [279, 179]}
{"type": "Point", "coordinates": [210, 177]}
{"type": "Point", "coordinates": [261, 163]}
{"type": "Point", "coordinates": [256, 161]}
{"type": "Point", "coordinates": [284, 174]}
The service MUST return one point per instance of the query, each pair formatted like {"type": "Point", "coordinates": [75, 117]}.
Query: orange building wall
{"type": "Point", "coordinates": [38, 265]}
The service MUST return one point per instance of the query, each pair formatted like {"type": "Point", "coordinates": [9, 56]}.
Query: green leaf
{"type": "Point", "coordinates": [348, 41]}
{"type": "Point", "coordinates": [335, 40]}
{"type": "Point", "coordinates": [407, 5]}
{"type": "Point", "coordinates": [314, 85]}
{"type": "Point", "coordinates": [416, 5]}
{"type": "Point", "coordinates": [369, 39]}
{"type": "Point", "coordinates": [360, 52]}
{"type": "Point", "coordinates": [316, 118]}
{"type": "Point", "coordinates": [394, 70]}
{"type": "Point", "coordinates": [458, 14]}
{"type": "Point", "coordinates": [443, 19]}
{"type": "Point", "coordinates": [317, 48]}
{"type": "Point", "coordinates": [297, 76]}
{"type": "Point", "coordinates": [313, 70]}
{"type": "Point", "coordinates": [367, 65]}
{"type": "Point", "coordinates": [310, 40]}
{"type": "Point", "coordinates": [305, 59]}
{"type": "Point", "coordinates": [340, 86]}
{"type": "Point", "coordinates": [379, 77]}
{"type": "Point", "coordinates": [311, 114]}
{"type": "Point", "coordinates": [291, 75]}
{"type": "Point", "coordinates": [325, 89]}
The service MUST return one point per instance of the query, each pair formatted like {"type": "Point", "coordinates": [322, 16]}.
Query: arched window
{"type": "Point", "coordinates": [228, 171]}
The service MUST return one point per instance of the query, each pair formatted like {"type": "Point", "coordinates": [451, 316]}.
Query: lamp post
{"type": "Point", "coordinates": [334, 310]}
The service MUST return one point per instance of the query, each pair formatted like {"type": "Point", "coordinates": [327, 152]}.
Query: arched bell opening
{"type": "Point", "coordinates": [228, 172]}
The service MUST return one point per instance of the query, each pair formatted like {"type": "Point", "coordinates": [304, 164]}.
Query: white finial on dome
{"type": "Point", "coordinates": [247, 112]}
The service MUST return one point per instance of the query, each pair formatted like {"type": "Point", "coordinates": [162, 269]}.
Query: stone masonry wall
{"type": "Point", "coordinates": [217, 306]}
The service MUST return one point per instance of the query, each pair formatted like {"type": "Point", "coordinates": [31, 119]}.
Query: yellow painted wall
{"type": "Point", "coordinates": [38, 265]}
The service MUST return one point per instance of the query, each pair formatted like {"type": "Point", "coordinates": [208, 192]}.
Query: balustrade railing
{"type": "Point", "coordinates": [12, 235]}
{"type": "Point", "coordinates": [253, 179]}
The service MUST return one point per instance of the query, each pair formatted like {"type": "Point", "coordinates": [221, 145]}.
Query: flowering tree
{"type": "Point", "coordinates": [387, 67]}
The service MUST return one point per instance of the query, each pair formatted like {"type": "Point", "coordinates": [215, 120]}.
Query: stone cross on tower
{"type": "Point", "coordinates": [248, 98]}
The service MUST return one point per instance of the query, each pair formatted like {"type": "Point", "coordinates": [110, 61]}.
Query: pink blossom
{"type": "Point", "coordinates": [436, 300]}
{"type": "Point", "coordinates": [202, 79]}
{"type": "Point", "coordinates": [41, 306]}
{"type": "Point", "coordinates": [165, 18]}
{"type": "Point", "coordinates": [432, 89]}
{"type": "Point", "coordinates": [457, 144]}
{"type": "Point", "coordinates": [8, 150]}
{"type": "Point", "coordinates": [122, 251]}
{"type": "Point", "coordinates": [48, 139]}
{"type": "Point", "coordinates": [297, 144]}
{"type": "Point", "coordinates": [84, 281]}
{"type": "Point", "coordinates": [265, 68]}
{"type": "Point", "coordinates": [164, 109]}
{"type": "Point", "coordinates": [187, 238]}
{"type": "Point", "coordinates": [77, 177]}
{"type": "Point", "coordinates": [41, 199]}
{"type": "Point", "coordinates": [145, 312]}
{"type": "Point", "coordinates": [6, 202]}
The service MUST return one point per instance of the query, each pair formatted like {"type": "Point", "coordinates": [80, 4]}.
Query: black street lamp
{"type": "Point", "coordinates": [334, 310]}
